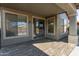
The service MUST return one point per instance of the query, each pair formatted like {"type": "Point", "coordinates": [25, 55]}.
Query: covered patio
{"type": "Point", "coordinates": [46, 40]}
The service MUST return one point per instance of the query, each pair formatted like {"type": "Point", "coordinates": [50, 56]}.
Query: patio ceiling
{"type": "Point", "coordinates": [70, 8]}
{"type": "Point", "coordinates": [41, 9]}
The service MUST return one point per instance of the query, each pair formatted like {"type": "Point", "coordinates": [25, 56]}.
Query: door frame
{"type": "Point", "coordinates": [33, 24]}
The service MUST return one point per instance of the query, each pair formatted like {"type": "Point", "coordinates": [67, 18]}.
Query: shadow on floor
{"type": "Point", "coordinates": [65, 39]}
{"type": "Point", "coordinates": [25, 49]}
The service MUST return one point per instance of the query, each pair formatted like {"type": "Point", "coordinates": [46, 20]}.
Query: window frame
{"type": "Point", "coordinates": [37, 17]}
{"type": "Point", "coordinates": [4, 28]}
{"type": "Point", "coordinates": [54, 25]}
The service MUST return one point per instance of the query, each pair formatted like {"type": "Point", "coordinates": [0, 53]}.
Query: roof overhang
{"type": "Point", "coordinates": [69, 7]}
{"type": "Point", "coordinates": [40, 9]}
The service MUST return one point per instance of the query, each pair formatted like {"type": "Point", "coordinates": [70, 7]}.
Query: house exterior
{"type": "Point", "coordinates": [24, 22]}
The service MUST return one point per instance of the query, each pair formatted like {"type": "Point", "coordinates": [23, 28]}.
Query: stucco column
{"type": "Point", "coordinates": [73, 38]}
{"type": "Point", "coordinates": [59, 21]}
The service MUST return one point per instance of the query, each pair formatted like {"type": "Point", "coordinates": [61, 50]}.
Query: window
{"type": "Point", "coordinates": [50, 25]}
{"type": "Point", "coordinates": [38, 26]}
{"type": "Point", "coordinates": [22, 28]}
{"type": "Point", "coordinates": [11, 24]}
{"type": "Point", "coordinates": [61, 21]}
{"type": "Point", "coordinates": [66, 25]}
{"type": "Point", "coordinates": [15, 25]}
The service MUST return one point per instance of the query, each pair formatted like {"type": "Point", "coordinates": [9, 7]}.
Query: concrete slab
{"type": "Point", "coordinates": [75, 51]}
{"type": "Point", "coordinates": [42, 47]}
{"type": "Point", "coordinates": [55, 48]}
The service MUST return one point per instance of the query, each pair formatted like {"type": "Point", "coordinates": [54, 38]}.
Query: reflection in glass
{"type": "Point", "coordinates": [50, 26]}
{"type": "Point", "coordinates": [38, 27]}
{"type": "Point", "coordinates": [11, 24]}
{"type": "Point", "coordinates": [22, 28]}
{"type": "Point", "coordinates": [15, 25]}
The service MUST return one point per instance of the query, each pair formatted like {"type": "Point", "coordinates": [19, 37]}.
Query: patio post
{"type": "Point", "coordinates": [73, 37]}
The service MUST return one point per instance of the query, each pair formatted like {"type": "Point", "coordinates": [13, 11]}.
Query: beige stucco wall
{"type": "Point", "coordinates": [57, 31]}
{"type": "Point", "coordinates": [16, 40]}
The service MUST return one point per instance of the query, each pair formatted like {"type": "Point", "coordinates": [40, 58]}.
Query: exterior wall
{"type": "Point", "coordinates": [16, 40]}
{"type": "Point", "coordinates": [57, 29]}
{"type": "Point", "coordinates": [73, 37]}
{"type": "Point", "coordinates": [60, 27]}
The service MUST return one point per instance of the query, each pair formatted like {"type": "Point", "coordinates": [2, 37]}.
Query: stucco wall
{"type": "Point", "coordinates": [10, 41]}
{"type": "Point", "coordinates": [59, 29]}
{"type": "Point", "coordinates": [57, 34]}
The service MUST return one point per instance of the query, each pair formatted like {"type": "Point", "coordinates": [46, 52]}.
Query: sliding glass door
{"type": "Point", "coordinates": [16, 25]}
{"type": "Point", "coordinates": [11, 24]}
{"type": "Point", "coordinates": [51, 26]}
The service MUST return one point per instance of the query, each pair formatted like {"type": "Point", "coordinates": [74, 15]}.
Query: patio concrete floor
{"type": "Point", "coordinates": [44, 47]}
{"type": "Point", "coordinates": [75, 51]}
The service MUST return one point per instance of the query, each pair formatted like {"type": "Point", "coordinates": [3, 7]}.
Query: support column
{"type": "Point", "coordinates": [58, 27]}
{"type": "Point", "coordinates": [73, 38]}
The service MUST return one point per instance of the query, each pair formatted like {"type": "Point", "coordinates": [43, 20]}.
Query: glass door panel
{"type": "Point", "coordinates": [51, 26]}
{"type": "Point", "coordinates": [11, 24]}
{"type": "Point", "coordinates": [38, 27]}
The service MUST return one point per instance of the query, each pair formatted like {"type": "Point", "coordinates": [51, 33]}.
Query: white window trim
{"type": "Point", "coordinates": [54, 26]}
{"type": "Point", "coordinates": [4, 31]}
